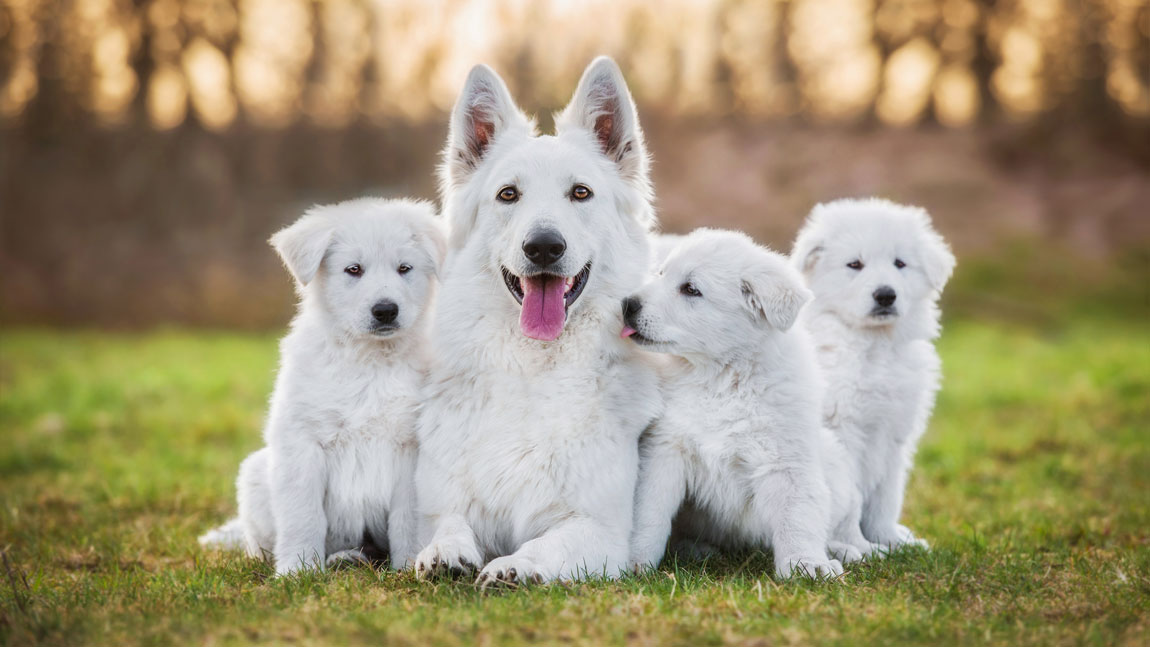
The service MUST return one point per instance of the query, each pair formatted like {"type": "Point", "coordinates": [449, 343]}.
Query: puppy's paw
{"type": "Point", "coordinates": [447, 559]}
{"type": "Point", "coordinates": [844, 552]}
{"type": "Point", "coordinates": [350, 558]}
{"type": "Point", "coordinates": [898, 537]}
{"type": "Point", "coordinates": [509, 571]}
{"type": "Point", "coordinates": [813, 567]}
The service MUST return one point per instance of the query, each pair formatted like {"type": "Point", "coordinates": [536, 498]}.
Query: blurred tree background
{"type": "Point", "coordinates": [149, 147]}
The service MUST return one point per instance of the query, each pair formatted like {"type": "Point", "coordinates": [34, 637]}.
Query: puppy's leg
{"type": "Point", "coordinates": [574, 549]}
{"type": "Point", "coordinates": [793, 504]}
{"type": "Point", "coordinates": [254, 496]}
{"type": "Point", "coordinates": [229, 536]}
{"type": "Point", "coordinates": [658, 495]}
{"type": "Point", "coordinates": [881, 512]}
{"type": "Point", "coordinates": [402, 524]}
{"type": "Point", "coordinates": [453, 550]}
{"type": "Point", "coordinates": [298, 475]}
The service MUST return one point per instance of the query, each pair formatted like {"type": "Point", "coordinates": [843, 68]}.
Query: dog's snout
{"type": "Point", "coordinates": [544, 247]}
{"type": "Point", "coordinates": [631, 308]}
{"type": "Point", "coordinates": [385, 311]}
{"type": "Point", "coordinates": [884, 296]}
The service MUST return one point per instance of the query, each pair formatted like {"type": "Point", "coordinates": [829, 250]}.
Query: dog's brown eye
{"type": "Point", "coordinates": [580, 192]}
{"type": "Point", "coordinates": [689, 290]}
{"type": "Point", "coordinates": [508, 194]}
{"type": "Point", "coordinates": [899, 264]}
{"type": "Point", "coordinates": [403, 268]}
{"type": "Point", "coordinates": [855, 265]}
{"type": "Point", "coordinates": [354, 269]}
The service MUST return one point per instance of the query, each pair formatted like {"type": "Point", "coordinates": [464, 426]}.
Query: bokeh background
{"type": "Point", "coordinates": [149, 147]}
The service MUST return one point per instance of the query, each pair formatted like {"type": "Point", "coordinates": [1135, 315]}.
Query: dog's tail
{"type": "Point", "coordinates": [229, 536]}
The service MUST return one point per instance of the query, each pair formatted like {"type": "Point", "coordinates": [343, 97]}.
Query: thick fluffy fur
{"type": "Point", "coordinates": [337, 470]}
{"type": "Point", "coordinates": [878, 361]}
{"type": "Point", "coordinates": [529, 448]}
{"type": "Point", "coordinates": [736, 454]}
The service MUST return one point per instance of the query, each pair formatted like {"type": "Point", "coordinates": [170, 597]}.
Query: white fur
{"type": "Point", "coordinates": [338, 467]}
{"type": "Point", "coordinates": [882, 372]}
{"type": "Point", "coordinates": [735, 457]}
{"type": "Point", "coordinates": [528, 449]}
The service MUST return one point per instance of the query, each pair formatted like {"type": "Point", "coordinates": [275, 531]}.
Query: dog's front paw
{"type": "Point", "coordinates": [897, 537]}
{"type": "Point", "coordinates": [844, 552]}
{"type": "Point", "coordinates": [510, 571]}
{"type": "Point", "coordinates": [347, 559]}
{"type": "Point", "coordinates": [446, 559]}
{"type": "Point", "coordinates": [815, 568]}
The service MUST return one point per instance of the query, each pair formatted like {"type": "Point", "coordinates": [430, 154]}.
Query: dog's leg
{"type": "Point", "coordinates": [575, 549]}
{"type": "Point", "coordinates": [253, 493]}
{"type": "Point", "coordinates": [402, 524]}
{"type": "Point", "coordinates": [882, 510]}
{"type": "Point", "coordinates": [793, 505]}
{"type": "Point", "coordinates": [298, 486]}
{"type": "Point", "coordinates": [658, 495]}
{"type": "Point", "coordinates": [453, 550]}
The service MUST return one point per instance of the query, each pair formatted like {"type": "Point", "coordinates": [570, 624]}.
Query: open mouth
{"type": "Point", "coordinates": [544, 299]}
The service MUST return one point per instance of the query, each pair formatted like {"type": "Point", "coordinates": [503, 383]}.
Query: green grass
{"type": "Point", "coordinates": [1033, 484]}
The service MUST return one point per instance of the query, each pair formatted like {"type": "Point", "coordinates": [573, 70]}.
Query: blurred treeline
{"type": "Point", "coordinates": [148, 147]}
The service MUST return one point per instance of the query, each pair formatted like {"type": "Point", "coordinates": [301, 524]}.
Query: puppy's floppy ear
{"type": "Point", "coordinates": [937, 260]}
{"type": "Point", "coordinates": [602, 104]}
{"type": "Point", "coordinates": [808, 247]}
{"type": "Point", "coordinates": [434, 242]}
{"type": "Point", "coordinates": [774, 293]}
{"type": "Point", "coordinates": [303, 244]}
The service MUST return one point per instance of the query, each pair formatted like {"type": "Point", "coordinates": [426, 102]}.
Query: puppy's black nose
{"type": "Point", "coordinates": [884, 296]}
{"type": "Point", "coordinates": [544, 247]}
{"type": "Point", "coordinates": [385, 312]}
{"type": "Point", "coordinates": [631, 308]}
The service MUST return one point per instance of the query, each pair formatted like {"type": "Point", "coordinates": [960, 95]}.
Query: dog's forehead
{"type": "Point", "coordinates": [549, 158]}
{"type": "Point", "coordinates": [872, 236]}
{"type": "Point", "coordinates": [374, 236]}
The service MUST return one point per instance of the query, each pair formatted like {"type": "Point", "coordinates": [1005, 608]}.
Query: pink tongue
{"type": "Point", "coordinates": [627, 331]}
{"type": "Point", "coordinates": [543, 312]}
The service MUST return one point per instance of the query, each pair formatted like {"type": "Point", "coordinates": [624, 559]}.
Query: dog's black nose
{"type": "Point", "coordinates": [544, 247]}
{"type": "Point", "coordinates": [385, 312]}
{"type": "Point", "coordinates": [884, 296]}
{"type": "Point", "coordinates": [631, 308]}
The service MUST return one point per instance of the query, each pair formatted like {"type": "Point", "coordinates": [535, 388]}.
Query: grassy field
{"type": "Point", "coordinates": [1033, 485]}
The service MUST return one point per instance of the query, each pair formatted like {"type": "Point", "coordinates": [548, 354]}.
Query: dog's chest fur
{"type": "Point", "coordinates": [879, 394]}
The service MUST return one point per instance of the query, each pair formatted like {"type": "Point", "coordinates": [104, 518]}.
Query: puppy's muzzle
{"type": "Point", "coordinates": [631, 308]}
{"type": "Point", "coordinates": [884, 298]}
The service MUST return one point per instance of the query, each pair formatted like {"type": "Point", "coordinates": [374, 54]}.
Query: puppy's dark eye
{"type": "Point", "coordinates": [354, 269]}
{"type": "Point", "coordinates": [508, 194]}
{"type": "Point", "coordinates": [580, 192]}
{"type": "Point", "coordinates": [855, 265]}
{"type": "Point", "coordinates": [899, 264]}
{"type": "Point", "coordinates": [689, 290]}
{"type": "Point", "coordinates": [404, 268]}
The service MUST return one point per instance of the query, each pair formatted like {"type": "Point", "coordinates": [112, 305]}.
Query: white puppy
{"type": "Point", "coordinates": [336, 474]}
{"type": "Point", "coordinates": [737, 451]}
{"type": "Point", "coordinates": [529, 438]}
{"type": "Point", "coordinates": [876, 270]}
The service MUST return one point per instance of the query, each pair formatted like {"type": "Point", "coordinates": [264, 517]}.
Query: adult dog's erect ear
{"type": "Point", "coordinates": [602, 104]}
{"type": "Point", "coordinates": [303, 244]}
{"type": "Point", "coordinates": [482, 113]}
{"type": "Point", "coordinates": [774, 293]}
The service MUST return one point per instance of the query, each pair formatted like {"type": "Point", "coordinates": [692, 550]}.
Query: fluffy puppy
{"type": "Point", "coordinates": [336, 475]}
{"type": "Point", "coordinates": [876, 270]}
{"type": "Point", "coordinates": [736, 452]}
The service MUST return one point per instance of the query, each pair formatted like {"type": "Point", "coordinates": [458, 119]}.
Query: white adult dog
{"type": "Point", "coordinates": [529, 438]}
{"type": "Point", "coordinates": [737, 454]}
{"type": "Point", "coordinates": [337, 471]}
{"type": "Point", "coordinates": [876, 270]}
